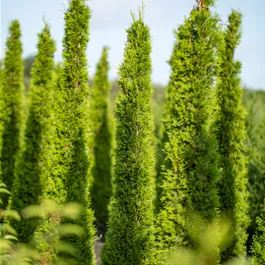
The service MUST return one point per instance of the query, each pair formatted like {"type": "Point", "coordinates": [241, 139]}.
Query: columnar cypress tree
{"type": "Point", "coordinates": [191, 165]}
{"type": "Point", "coordinates": [129, 238]}
{"type": "Point", "coordinates": [258, 253]}
{"type": "Point", "coordinates": [103, 142]}
{"type": "Point", "coordinates": [231, 134]}
{"type": "Point", "coordinates": [12, 92]}
{"type": "Point", "coordinates": [37, 140]}
{"type": "Point", "coordinates": [67, 179]}
{"type": "Point", "coordinates": [1, 107]}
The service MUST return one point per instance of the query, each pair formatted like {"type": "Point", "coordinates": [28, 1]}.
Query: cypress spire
{"type": "Point", "coordinates": [12, 110]}
{"type": "Point", "coordinates": [33, 161]}
{"type": "Point", "coordinates": [231, 134]}
{"type": "Point", "coordinates": [69, 172]}
{"type": "Point", "coordinates": [103, 143]}
{"type": "Point", "coordinates": [191, 165]}
{"type": "Point", "coordinates": [129, 238]}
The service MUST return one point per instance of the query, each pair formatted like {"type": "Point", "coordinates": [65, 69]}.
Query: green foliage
{"type": "Point", "coordinates": [129, 238]}
{"type": "Point", "coordinates": [33, 162]}
{"type": "Point", "coordinates": [209, 237]}
{"type": "Point", "coordinates": [12, 252]}
{"type": "Point", "coordinates": [12, 109]}
{"type": "Point", "coordinates": [101, 189]}
{"type": "Point", "coordinates": [28, 64]}
{"type": "Point", "coordinates": [1, 106]}
{"type": "Point", "coordinates": [231, 134]}
{"type": "Point", "coordinates": [258, 245]}
{"type": "Point", "coordinates": [69, 171]}
{"type": "Point", "coordinates": [191, 165]}
{"type": "Point", "coordinates": [254, 102]}
{"type": "Point", "coordinates": [51, 243]}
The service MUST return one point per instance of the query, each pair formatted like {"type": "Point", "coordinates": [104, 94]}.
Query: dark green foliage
{"type": "Point", "coordinates": [1, 106]}
{"type": "Point", "coordinates": [28, 63]}
{"type": "Point", "coordinates": [231, 135]}
{"type": "Point", "coordinates": [258, 246]}
{"type": "Point", "coordinates": [69, 172]}
{"type": "Point", "coordinates": [29, 173]}
{"type": "Point", "coordinates": [191, 166]}
{"type": "Point", "coordinates": [129, 238]}
{"type": "Point", "coordinates": [101, 189]}
{"type": "Point", "coordinates": [12, 109]}
{"type": "Point", "coordinates": [254, 102]}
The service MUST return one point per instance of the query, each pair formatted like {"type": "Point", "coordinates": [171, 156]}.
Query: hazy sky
{"type": "Point", "coordinates": [110, 18]}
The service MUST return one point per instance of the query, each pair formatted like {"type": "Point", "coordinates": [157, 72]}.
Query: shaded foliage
{"type": "Point", "coordinates": [102, 126]}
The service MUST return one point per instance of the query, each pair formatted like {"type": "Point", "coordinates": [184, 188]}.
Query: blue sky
{"type": "Point", "coordinates": [110, 18]}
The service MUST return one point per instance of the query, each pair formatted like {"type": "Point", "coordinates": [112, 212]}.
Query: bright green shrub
{"type": "Point", "coordinates": [103, 142]}
{"type": "Point", "coordinates": [191, 165]}
{"type": "Point", "coordinates": [258, 246]}
{"type": "Point", "coordinates": [129, 238]}
{"type": "Point", "coordinates": [231, 134]}
{"type": "Point", "coordinates": [31, 167]}
{"type": "Point", "coordinates": [12, 101]}
{"type": "Point", "coordinates": [69, 171]}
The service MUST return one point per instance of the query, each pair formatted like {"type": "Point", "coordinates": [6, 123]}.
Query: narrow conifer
{"type": "Point", "coordinates": [231, 134]}
{"type": "Point", "coordinates": [12, 109]}
{"type": "Point", "coordinates": [103, 142]}
{"type": "Point", "coordinates": [129, 238]}
{"type": "Point", "coordinates": [69, 172]}
{"type": "Point", "coordinates": [191, 165]}
{"type": "Point", "coordinates": [33, 161]}
{"type": "Point", "coordinates": [1, 107]}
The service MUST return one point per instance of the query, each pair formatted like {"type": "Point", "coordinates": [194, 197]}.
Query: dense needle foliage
{"type": "Point", "coordinates": [259, 240]}
{"type": "Point", "coordinates": [160, 206]}
{"type": "Point", "coordinates": [191, 164]}
{"type": "Point", "coordinates": [12, 105]}
{"type": "Point", "coordinates": [231, 134]}
{"type": "Point", "coordinates": [254, 102]}
{"type": "Point", "coordinates": [33, 162]}
{"type": "Point", "coordinates": [130, 234]}
{"type": "Point", "coordinates": [102, 126]}
{"type": "Point", "coordinates": [69, 172]}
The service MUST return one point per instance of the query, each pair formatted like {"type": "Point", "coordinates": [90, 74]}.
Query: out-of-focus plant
{"type": "Point", "coordinates": [12, 252]}
{"type": "Point", "coordinates": [52, 241]}
{"type": "Point", "coordinates": [209, 240]}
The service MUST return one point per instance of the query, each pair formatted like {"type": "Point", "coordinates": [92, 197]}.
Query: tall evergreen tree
{"type": "Point", "coordinates": [1, 105]}
{"type": "Point", "coordinates": [69, 172]}
{"type": "Point", "coordinates": [129, 238]}
{"type": "Point", "coordinates": [231, 135]}
{"type": "Point", "coordinates": [103, 142]}
{"type": "Point", "coordinates": [32, 164]}
{"type": "Point", "coordinates": [258, 253]}
{"type": "Point", "coordinates": [191, 165]}
{"type": "Point", "coordinates": [12, 109]}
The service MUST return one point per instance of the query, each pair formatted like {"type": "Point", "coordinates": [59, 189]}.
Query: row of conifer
{"type": "Point", "coordinates": [60, 144]}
